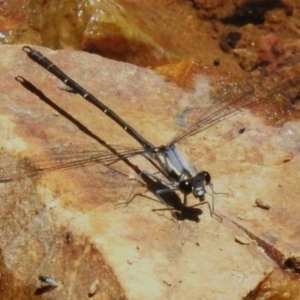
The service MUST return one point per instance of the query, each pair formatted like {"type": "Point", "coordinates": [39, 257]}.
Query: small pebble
{"type": "Point", "coordinates": [242, 240]}
{"type": "Point", "coordinates": [93, 288]}
{"type": "Point", "coordinates": [48, 281]}
{"type": "Point", "coordinates": [129, 261]}
{"type": "Point", "coordinates": [260, 203]}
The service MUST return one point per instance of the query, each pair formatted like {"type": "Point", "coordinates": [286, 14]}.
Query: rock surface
{"type": "Point", "coordinates": [63, 224]}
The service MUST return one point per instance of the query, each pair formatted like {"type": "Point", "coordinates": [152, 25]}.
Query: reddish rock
{"type": "Point", "coordinates": [277, 285]}
{"type": "Point", "coordinates": [63, 223]}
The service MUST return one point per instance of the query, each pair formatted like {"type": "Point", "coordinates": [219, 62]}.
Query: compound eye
{"type": "Point", "coordinates": [206, 177]}
{"type": "Point", "coordinates": [185, 187]}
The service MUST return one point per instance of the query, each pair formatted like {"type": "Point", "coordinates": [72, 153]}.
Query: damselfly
{"type": "Point", "coordinates": [179, 174]}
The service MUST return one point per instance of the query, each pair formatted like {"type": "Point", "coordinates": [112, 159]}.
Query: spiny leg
{"type": "Point", "coordinates": [150, 175]}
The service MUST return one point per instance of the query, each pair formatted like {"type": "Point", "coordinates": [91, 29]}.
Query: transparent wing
{"type": "Point", "coordinates": [60, 158]}
{"type": "Point", "coordinates": [229, 98]}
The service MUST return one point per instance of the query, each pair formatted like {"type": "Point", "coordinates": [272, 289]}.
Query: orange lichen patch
{"type": "Point", "coordinates": [154, 33]}
{"type": "Point", "coordinates": [144, 33]}
{"type": "Point", "coordinates": [118, 46]}
{"type": "Point", "coordinates": [182, 73]}
{"type": "Point", "coordinates": [279, 285]}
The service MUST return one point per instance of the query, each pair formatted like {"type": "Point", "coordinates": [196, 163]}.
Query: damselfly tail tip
{"type": "Point", "coordinates": [27, 49]}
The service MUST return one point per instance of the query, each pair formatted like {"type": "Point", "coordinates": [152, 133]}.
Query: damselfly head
{"type": "Point", "coordinates": [196, 185]}
{"type": "Point", "coordinates": [200, 181]}
{"type": "Point", "coordinates": [205, 176]}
